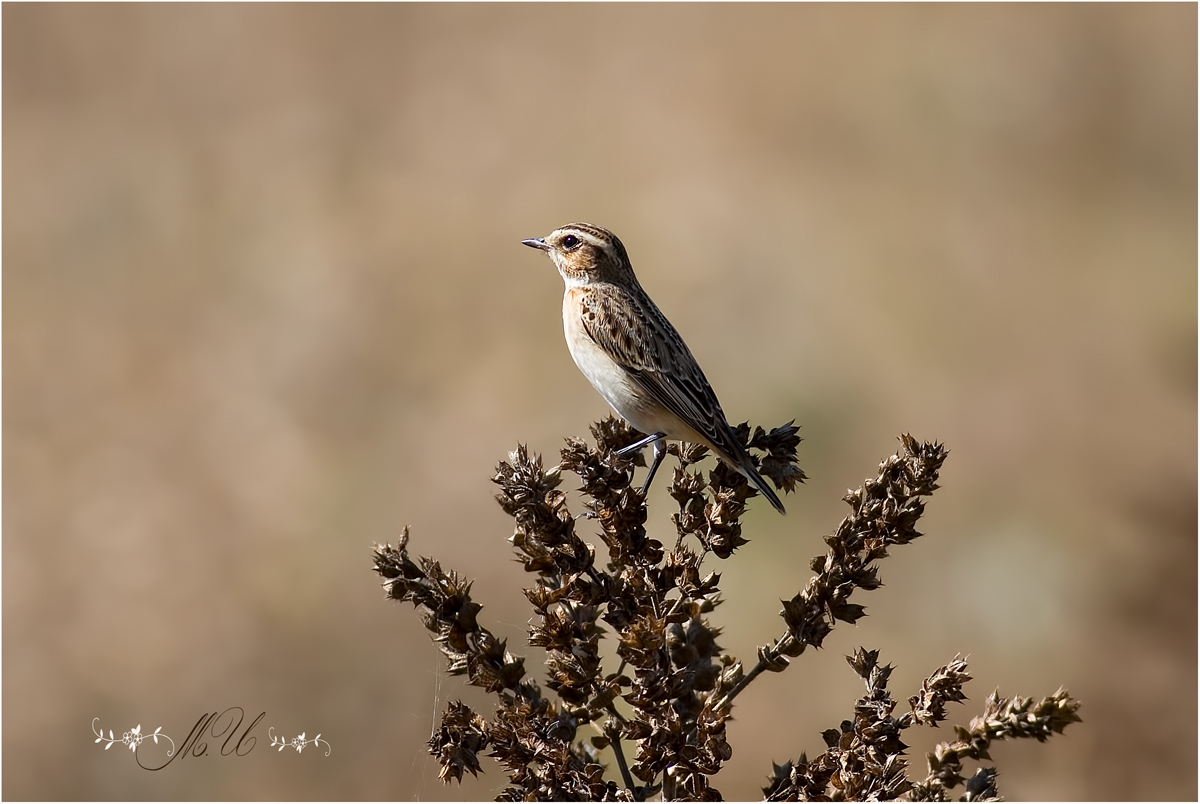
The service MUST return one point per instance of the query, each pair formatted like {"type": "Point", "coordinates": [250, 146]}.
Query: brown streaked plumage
{"type": "Point", "coordinates": [632, 355]}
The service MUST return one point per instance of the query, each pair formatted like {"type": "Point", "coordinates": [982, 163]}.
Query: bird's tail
{"type": "Point", "coordinates": [760, 483]}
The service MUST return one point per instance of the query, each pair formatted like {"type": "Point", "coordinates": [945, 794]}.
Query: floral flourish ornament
{"type": "Point", "coordinates": [132, 738]}
{"type": "Point", "coordinates": [297, 742]}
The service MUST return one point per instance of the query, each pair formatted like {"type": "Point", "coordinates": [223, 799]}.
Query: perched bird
{"type": "Point", "coordinates": [632, 355]}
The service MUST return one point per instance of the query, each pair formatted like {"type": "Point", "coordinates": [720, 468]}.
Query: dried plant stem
{"type": "Point", "coordinates": [612, 730]}
{"type": "Point", "coordinates": [674, 680]}
{"type": "Point", "coordinates": [769, 657]}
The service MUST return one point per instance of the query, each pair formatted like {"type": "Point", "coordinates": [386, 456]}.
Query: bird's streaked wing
{"type": "Point", "coordinates": [639, 337]}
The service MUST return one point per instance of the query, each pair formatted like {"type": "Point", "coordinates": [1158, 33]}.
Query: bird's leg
{"type": "Point", "coordinates": [635, 446]}
{"type": "Point", "coordinates": [660, 452]}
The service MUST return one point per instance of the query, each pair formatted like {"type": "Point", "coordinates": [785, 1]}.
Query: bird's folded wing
{"type": "Point", "coordinates": [639, 338]}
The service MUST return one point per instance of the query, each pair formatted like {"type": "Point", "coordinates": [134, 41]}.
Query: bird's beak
{"type": "Point", "coordinates": [536, 242]}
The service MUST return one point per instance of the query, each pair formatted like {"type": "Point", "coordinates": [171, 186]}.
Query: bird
{"type": "Point", "coordinates": [633, 356]}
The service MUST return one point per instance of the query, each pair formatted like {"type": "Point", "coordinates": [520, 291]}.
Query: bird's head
{"type": "Point", "coordinates": [584, 254]}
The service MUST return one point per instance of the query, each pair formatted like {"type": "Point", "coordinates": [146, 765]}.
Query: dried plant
{"type": "Point", "coordinates": [664, 709]}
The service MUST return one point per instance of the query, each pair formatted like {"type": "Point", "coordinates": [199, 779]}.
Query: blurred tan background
{"type": "Point", "coordinates": [265, 303]}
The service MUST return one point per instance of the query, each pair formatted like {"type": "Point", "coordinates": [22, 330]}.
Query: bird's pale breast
{"type": "Point", "coordinates": [621, 390]}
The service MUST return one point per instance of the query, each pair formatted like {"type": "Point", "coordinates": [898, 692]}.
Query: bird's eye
{"type": "Point", "coordinates": [570, 243]}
